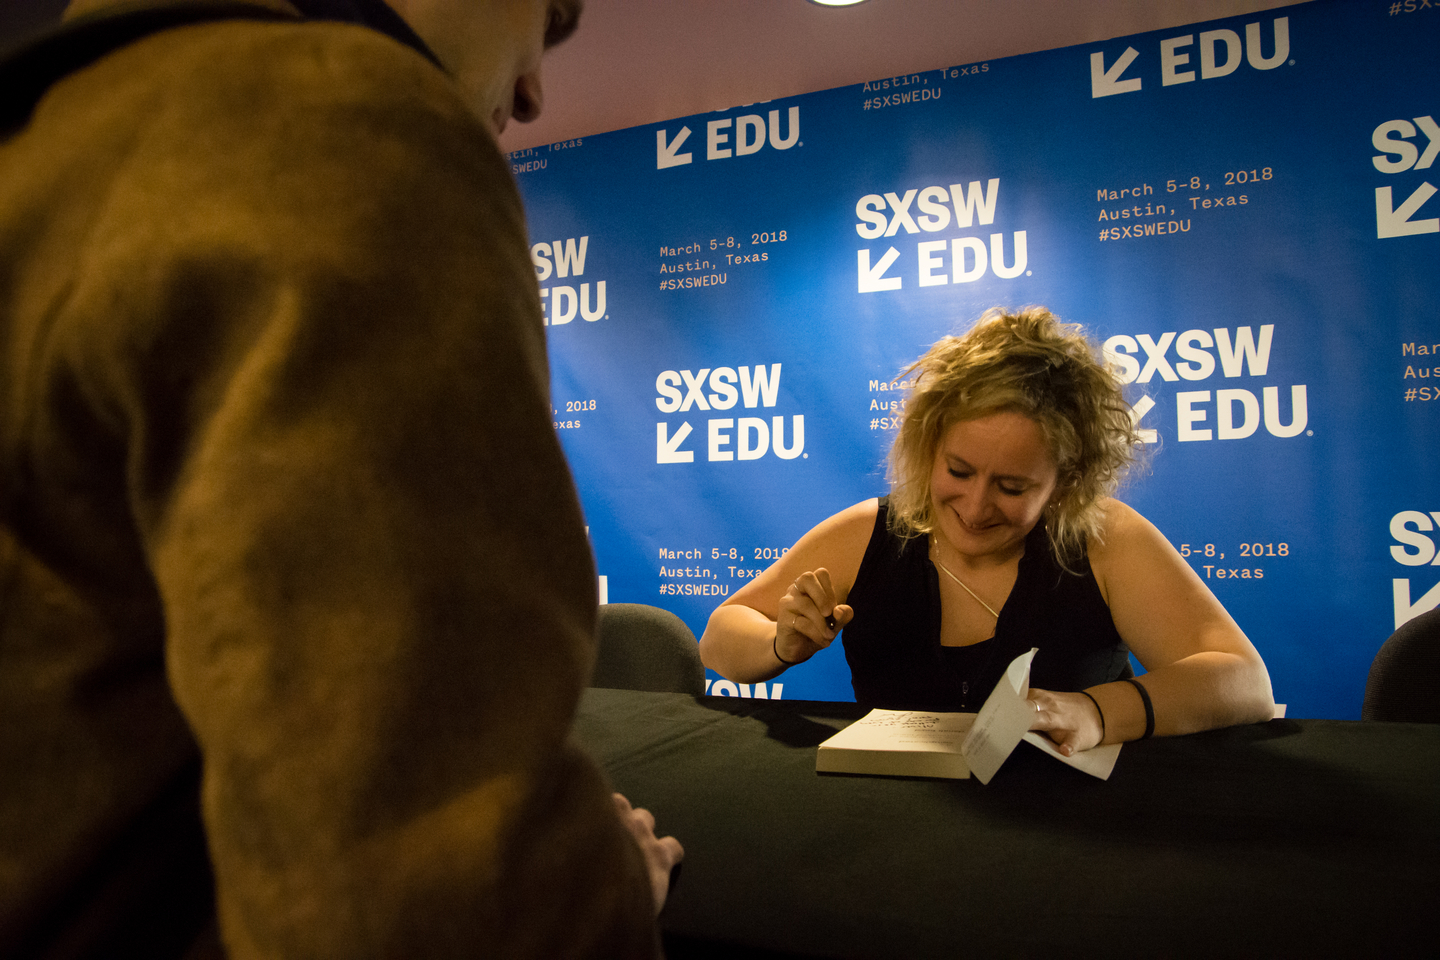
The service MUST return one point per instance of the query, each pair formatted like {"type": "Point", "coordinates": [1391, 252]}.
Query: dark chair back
{"type": "Point", "coordinates": [1404, 681]}
{"type": "Point", "coordinates": [646, 648]}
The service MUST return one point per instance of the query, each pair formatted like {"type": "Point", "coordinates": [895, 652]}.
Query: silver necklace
{"type": "Point", "coordinates": [972, 593]}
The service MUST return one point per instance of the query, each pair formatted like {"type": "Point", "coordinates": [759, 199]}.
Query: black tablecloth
{"type": "Point", "coordinates": [1289, 838]}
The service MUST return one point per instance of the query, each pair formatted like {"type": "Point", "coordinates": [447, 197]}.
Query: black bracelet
{"type": "Point", "coordinates": [775, 650]}
{"type": "Point", "coordinates": [1097, 710]}
{"type": "Point", "coordinates": [1149, 707]}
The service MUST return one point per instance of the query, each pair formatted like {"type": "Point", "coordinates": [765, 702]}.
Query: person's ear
{"type": "Point", "coordinates": [529, 96]}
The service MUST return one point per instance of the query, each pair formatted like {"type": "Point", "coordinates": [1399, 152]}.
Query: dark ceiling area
{"type": "Point", "coordinates": [640, 61]}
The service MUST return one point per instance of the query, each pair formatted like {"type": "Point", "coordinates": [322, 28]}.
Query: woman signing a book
{"type": "Point", "coordinates": [1000, 534]}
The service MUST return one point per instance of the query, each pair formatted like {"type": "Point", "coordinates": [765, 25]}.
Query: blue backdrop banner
{"type": "Point", "coordinates": [1242, 211]}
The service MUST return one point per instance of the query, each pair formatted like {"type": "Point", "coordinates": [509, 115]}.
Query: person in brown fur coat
{"type": "Point", "coordinates": [294, 584]}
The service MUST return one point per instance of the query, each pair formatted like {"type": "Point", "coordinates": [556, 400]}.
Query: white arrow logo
{"type": "Point", "coordinates": [1390, 222]}
{"type": "Point", "coordinates": [667, 449]}
{"type": "Point", "coordinates": [665, 155]}
{"type": "Point", "coordinates": [1105, 83]}
{"type": "Point", "coordinates": [1404, 609]}
{"type": "Point", "coordinates": [1143, 406]}
{"type": "Point", "coordinates": [873, 279]}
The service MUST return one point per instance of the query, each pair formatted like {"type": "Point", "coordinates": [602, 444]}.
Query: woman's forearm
{"type": "Point", "coordinates": [738, 644]}
{"type": "Point", "coordinates": [1201, 692]}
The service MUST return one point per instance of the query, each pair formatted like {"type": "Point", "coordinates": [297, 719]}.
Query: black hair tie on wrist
{"type": "Point", "coordinates": [776, 650]}
{"type": "Point", "coordinates": [1149, 707]}
{"type": "Point", "coordinates": [1097, 710]}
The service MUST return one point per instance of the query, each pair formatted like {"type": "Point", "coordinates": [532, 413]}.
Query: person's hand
{"type": "Point", "coordinates": [809, 618]}
{"type": "Point", "coordinates": [660, 853]}
{"type": "Point", "coordinates": [1071, 720]}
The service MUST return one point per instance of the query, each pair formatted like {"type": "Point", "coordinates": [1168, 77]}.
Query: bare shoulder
{"type": "Point", "coordinates": [1128, 545]}
{"type": "Point", "coordinates": [836, 543]}
{"type": "Point", "coordinates": [854, 521]}
{"type": "Point", "coordinates": [1120, 525]}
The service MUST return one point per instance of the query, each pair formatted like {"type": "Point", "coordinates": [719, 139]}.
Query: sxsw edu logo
{"type": "Point", "coordinates": [740, 136]}
{"type": "Point", "coordinates": [753, 437]}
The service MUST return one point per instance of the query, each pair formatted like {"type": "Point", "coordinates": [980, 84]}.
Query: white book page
{"type": "Point", "coordinates": [1002, 722]}
{"type": "Point", "coordinates": [908, 730]}
{"type": "Point", "coordinates": [1097, 761]}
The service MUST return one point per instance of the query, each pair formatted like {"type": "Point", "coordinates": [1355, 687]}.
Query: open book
{"type": "Point", "coordinates": [919, 743]}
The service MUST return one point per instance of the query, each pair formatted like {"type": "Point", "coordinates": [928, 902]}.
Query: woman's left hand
{"type": "Point", "coordinates": [1069, 719]}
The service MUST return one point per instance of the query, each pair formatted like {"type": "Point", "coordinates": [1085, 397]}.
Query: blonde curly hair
{"type": "Point", "coordinates": [1031, 363]}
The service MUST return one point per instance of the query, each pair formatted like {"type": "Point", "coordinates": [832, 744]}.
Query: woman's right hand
{"type": "Point", "coordinates": [809, 618]}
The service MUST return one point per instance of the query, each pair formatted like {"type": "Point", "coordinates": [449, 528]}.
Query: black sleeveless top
{"type": "Point", "coordinates": [893, 644]}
